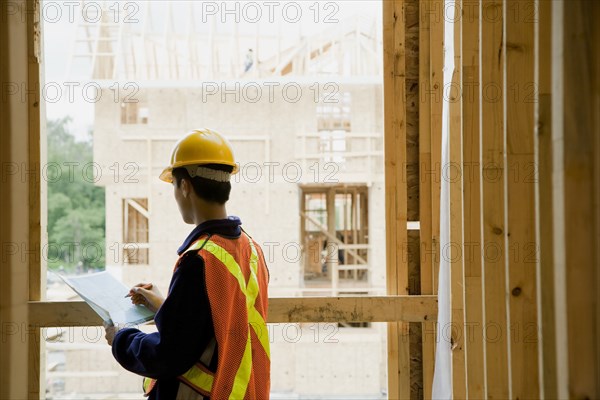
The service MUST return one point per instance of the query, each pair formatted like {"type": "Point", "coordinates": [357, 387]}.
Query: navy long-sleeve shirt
{"type": "Point", "coordinates": [184, 321]}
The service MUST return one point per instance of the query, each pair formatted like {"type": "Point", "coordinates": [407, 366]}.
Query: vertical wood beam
{"type": "Point", "coordinates": [435, 10]}
{"type": "Point", "coordinates": [332, 256]}
{"type": "Point", "coordinates": [473, 330]}
{"type": "Point", "coordinates": [493, 207]}
{"type": "Point", "coordinates": [19, 200]}
{"type": "Point", "coordinates": [544, 212]}
{"type": "Point", "coordinates": [425, 183]}
{"type": "Point", "coordinates": [576, 129]}
{"type": "Point", "coordinates": [412, 17]}
{"type": "Point", "coordinates": [455, 252]}
{"type": "Point", "coordinates": [395, 189]}
{"type": "Point", "coordinates": [523, 251]}
{"type": "Point", "coordinates": [436, 26]}
{"type": "Point", "coordinates": [37, 192]}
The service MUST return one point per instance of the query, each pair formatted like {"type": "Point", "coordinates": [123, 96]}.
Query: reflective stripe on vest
{"type": "Point", "coordinates": [198, 377]}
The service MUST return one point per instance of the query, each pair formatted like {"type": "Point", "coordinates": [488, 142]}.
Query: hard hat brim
{"type": "Point", "coordinates": [166, 175]}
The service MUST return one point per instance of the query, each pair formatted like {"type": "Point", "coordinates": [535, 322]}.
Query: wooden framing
{"type": "Point", "coordinates": [395, 194]}
{"type": "Point", "coordinates": [493, 227]}
{"type": "Point", "coordinates": [136, 231]}
{"type": "Point", "coordinates": [500, 218]}
{"type": "Point", "coordinates": [554, 219]}
{"type": "Point", "coordinates": [307, 309]}
{"type": "Point", "coordinates": [544, 215]}
{"type": "Point", "coordinates": [576, 132]}
{"type": "Point", "coordinates": [21, 211]}
{"type": "Point", "coordinates": [37, 191]}
{"type": "Point", "coordinates": [522, 255]}
{"type": "Point", "coordinates": [425, 189]}
{"type": "Point", "coordinates": [455, 250]}
{"type": "Point", "coordinates": [472, 199]}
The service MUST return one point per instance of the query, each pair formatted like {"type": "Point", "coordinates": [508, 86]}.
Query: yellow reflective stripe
{"type": "Point", "coordinates": [194, 246]}
{"type": "Point", "coordinates": [242, 376]}
{"type": "Point", "coordinates": [254, 318]}
{"type": "Point", "coordinates": [199, 378]}
{"type": "Point", "coordinates": [253, 281]}
{"type": "Point", "coordinates": [222, 255]}
{"type": "Point", "coordinates": [147, 385]}
{"type": "Point", "coordinates": [257, 323]}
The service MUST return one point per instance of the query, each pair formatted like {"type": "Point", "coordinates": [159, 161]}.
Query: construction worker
{"type": "Point", "coordinates": [212, 339]}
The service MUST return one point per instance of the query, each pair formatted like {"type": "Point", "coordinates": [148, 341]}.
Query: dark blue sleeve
{"type": "Point", "coordinates": [184, 325]}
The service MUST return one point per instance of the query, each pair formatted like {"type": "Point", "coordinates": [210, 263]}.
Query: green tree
{"type": "Point", "coordinates": [76, 210]}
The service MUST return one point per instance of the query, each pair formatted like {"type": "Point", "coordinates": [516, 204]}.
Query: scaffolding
{"type": "Point", "coordinates": [166, 43]}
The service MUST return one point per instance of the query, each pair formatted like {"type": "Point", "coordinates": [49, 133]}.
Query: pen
{"type": "Point", "coordinates": [147, 287]}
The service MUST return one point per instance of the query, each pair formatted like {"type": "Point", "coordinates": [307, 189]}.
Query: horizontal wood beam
{"type": "Point", "coordinates": [281, 309]}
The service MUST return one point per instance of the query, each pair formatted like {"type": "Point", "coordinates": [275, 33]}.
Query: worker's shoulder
{"type": "Point", "coordinates": [190, 260]}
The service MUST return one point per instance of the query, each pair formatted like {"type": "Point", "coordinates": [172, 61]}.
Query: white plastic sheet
{"type": "Point", "coordinates": [442, 377]}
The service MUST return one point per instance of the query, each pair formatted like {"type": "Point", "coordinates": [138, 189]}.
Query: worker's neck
{"type": "Point", "coordinates": [206, 211]}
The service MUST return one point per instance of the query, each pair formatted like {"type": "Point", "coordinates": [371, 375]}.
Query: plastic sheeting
{"type": "Point", "coordinates": [442, 377]}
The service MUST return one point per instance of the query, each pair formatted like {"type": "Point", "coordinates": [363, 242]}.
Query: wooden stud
{"type": "Point", "coordinates": [454, 252]}
{"type": "Point", "coordinates": [20, 196]}
{"type": "Point", "coordinates": [544, 214]}
{"type": "Point", "coordinates": [425, 181]}
{"type": "Point", "coordinates": [523, 250]}
{"type": "Point", "coordinates": [37, 187]}
{"type": "Point", "coordinates": [412, 182]}
{"type": "Point", "coordinates": [578, 128]}
{"type": "Point", "coordinates": [395, 189]}
{"type": "Point", "coordinates": [493, 229]}
{"type": "Point", "coordinates": [473, 330]}
{"type": "Point", "coordinates": [436, 24]}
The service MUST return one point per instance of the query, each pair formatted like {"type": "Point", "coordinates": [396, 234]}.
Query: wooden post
{"type": "Point", "coordinates": [436, 23]}
{"type": "Point", "coordinates": [544, 214]}
{"type": "Point", "coordinates": [455, 251]}
{"type": "Point", "coordinates": [493, 204]}
{"type": "Point", "coordinates": [473, 329]}
{"type": "Point", "coordinates": [331, 255]}
{"type": "Point", "coordinates": [523, 251]}
{"type": "Point", "coordinates": [425, 184]}
{"type": "Point", "coordinates": [20, 227]}
{"type": "Point", "coordinates": [37, 196]}
{"type": "Point", "coordinates": [575, 132]}
{"type": "Point", "coordinates": [395, 190]}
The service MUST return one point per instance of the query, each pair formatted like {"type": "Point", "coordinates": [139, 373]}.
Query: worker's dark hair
{"type": "Point", "coordinates": [206, 189]}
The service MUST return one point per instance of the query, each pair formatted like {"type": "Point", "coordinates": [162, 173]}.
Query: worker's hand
{"type": "Point", "coordinates": [110, 332]}
{"type": "Point", "coordinates": [148, 295]}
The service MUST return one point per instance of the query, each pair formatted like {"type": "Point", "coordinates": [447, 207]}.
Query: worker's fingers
{"type": "Point", "coordinates": [132, 291]}
{"type": "Point", "coordinates": [144, 285]}
{"type": "Point", "coordinates": [143, 296]}
{"type": "Point", "coordinates": [150, 298]}
{"type": "Point", "coordinates": [141, 291]}
{"type": "Point", "coordinates": [138, 299]}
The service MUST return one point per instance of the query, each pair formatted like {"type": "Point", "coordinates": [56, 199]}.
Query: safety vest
{"type": "Point", "coordinates": [236, 283]}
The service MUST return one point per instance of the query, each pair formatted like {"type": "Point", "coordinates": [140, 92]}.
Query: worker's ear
{"type": "Point", "coordinates": [186, 186]}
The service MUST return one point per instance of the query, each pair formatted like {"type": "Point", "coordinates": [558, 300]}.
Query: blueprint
{"type": "Point", "coordinates": [106, 296]}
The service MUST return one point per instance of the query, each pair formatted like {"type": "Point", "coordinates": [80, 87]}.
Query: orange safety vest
{"type": "Point", "coordinates": [236, 282]}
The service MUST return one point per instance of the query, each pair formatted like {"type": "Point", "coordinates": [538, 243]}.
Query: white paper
{"type": "Point", "coordinates": [106, 296]}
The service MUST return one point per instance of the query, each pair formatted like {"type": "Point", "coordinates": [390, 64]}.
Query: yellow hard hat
{"type": "Point", "coordinates": [201, 146]}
